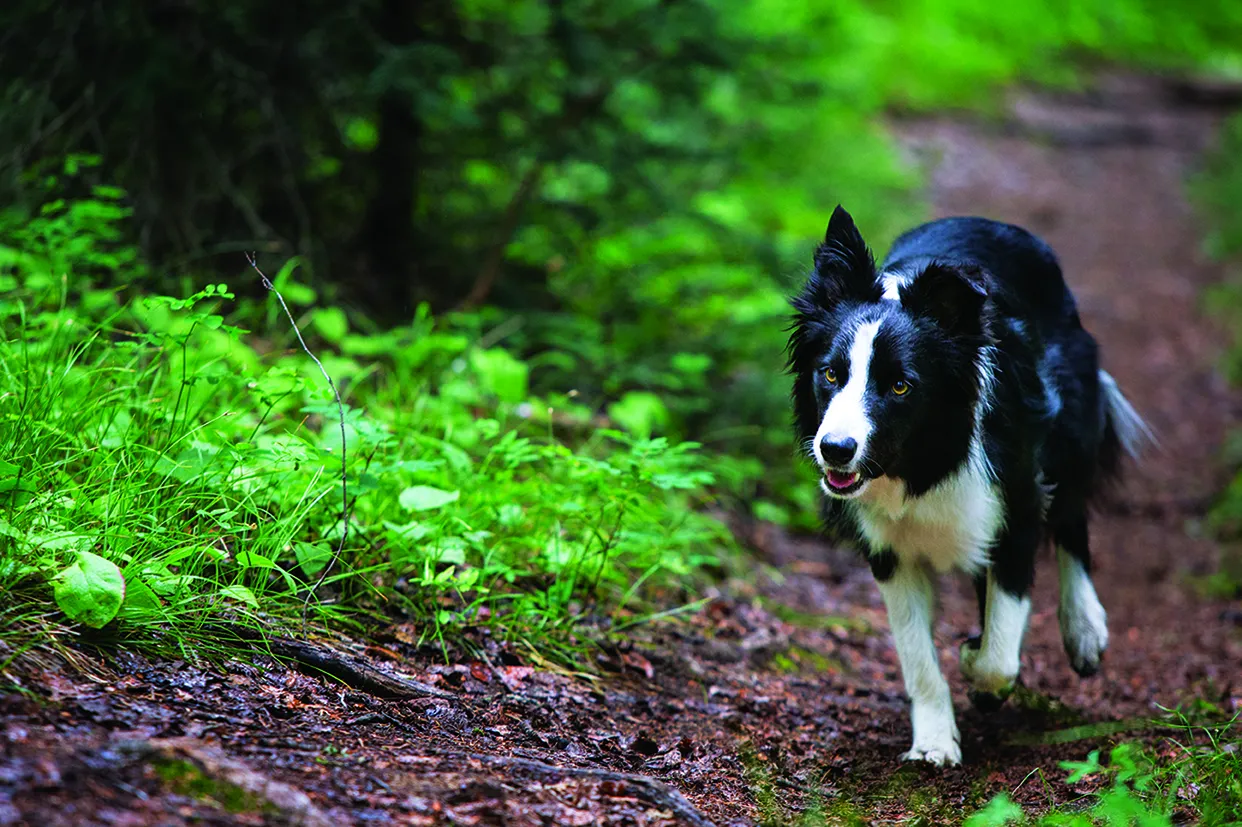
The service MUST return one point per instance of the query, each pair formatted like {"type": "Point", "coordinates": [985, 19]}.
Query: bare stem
{"type": "Point", "coordinates": [340, 406]}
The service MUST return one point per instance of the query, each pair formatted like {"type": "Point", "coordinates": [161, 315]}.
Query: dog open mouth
{"type": "Point", "coordinates": [842, 482]}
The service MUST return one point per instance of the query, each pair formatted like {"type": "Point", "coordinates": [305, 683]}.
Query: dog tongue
{"type": "Point", "coordinates": [838, 479]}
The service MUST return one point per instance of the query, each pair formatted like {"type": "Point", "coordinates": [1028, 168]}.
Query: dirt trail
{"type": "Point", "coordinates": [765, 702]}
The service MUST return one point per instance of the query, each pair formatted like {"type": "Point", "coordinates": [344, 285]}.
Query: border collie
{"type": "Point", "coordinates": [958, 416]}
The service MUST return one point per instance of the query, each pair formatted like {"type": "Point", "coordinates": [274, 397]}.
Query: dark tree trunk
{"type": "Point", "coordinates": [387, 244]}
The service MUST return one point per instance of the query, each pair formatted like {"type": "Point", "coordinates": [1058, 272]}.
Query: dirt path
{"type": "Point", "coordinates": [765, 702]}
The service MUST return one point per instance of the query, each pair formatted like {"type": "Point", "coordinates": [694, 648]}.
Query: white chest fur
{"type": "Point", "coordinates": [951, 526]}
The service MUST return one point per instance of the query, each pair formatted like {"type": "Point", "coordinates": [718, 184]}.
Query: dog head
{"type": "Point", "coordinates": [887, 366]}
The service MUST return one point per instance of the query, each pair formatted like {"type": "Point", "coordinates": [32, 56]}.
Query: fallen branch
{"type": "Point", "coordinates": [353, 671]}
{"type": "Point", "coordinates": [655, 793]}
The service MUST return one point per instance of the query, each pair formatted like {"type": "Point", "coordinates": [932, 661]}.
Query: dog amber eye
{"type": "Point", "coordinates": [901, 387]}
{"type": "Point", "coordinates": [830, 375]}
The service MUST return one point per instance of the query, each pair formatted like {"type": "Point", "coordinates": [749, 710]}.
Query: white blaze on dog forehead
{"type": "Point", "coordinates": [846, 416]}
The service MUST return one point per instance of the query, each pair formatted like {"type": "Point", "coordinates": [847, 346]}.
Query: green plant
{"type": "Point", "coordinates": [1202, 775]}
{"type": "Point", "coordinates": [1216, 189]}
{"type": "Point", "coordinates": [161, 471]}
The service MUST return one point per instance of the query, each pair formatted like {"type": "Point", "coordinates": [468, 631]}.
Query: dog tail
{"type": "Point", "coordinates": [1124, 429]}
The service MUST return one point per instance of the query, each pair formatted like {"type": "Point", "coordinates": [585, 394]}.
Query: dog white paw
{"type": "Point", "coordinates": [941, 755]}
{"type": "Point", "coordinates": [984, 673]}
{"type": "Point", "coordinates": [1084, 623]}
{"type": "Point", "coordinates": [936, 739]}
{"type": "Point", "coordinates": [1084, 631]}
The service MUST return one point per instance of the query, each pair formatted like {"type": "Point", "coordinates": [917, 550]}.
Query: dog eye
{"type": "Point", "coordinates": [830, 375]}
{"type": "Point", "coordinates": [901, 387]}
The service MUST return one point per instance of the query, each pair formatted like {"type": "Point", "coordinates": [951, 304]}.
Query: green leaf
{"type": "Point", "coordinates": [998, 812]}
{"type": "Point", "coordinates": [331, 323]}
{"type": "Point", "coordinates": [501, 374]}
{"type": "Point", "coordinates": [248, 559]}
{"type": "Point", "coordinates": [1081, 769]}
{"type": "Point", "coordinates": [640, 413]}
{"type": "Point", "coordinates": [426, 498]}
{"type": "Point", "coordinates": [361, 134]}
{"type": "Point", "coordinates": [240, 594]}
{"type": "Point", "coordinates": [312, 557]}
{"type": "Point", "coordinates": [293, 292]}
{"type": "Point", "coordinates": [91, 590]}
{"type": "Point", "coordinates": [140, 603]}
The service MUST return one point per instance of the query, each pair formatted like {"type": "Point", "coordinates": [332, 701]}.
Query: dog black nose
{"type": "Point", "coordinates": [838, 451]}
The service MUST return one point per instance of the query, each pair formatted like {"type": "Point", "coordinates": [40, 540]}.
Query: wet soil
{"type": "Point", "coordinates": [783, 692]}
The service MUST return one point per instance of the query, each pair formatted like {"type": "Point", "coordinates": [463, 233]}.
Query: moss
{"type": "Point", "coordinates": [185, 778]}
{"type": "Point", "coordinates": [795, 659]}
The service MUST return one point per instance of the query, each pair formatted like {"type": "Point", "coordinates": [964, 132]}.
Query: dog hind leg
{"type": "Point", "coordinates": [1084, 623]}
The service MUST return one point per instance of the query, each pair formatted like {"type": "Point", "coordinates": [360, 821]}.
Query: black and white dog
{"type": "Point", "coordinates": [958, 415]}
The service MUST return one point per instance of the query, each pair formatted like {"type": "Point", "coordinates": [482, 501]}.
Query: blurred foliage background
{"type": "Point", "coordinates": [574, 214]}
{"type": "Point", "coordinates": [623, 192]}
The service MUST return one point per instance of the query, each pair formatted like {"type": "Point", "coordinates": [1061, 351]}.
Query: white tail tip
{"type": "Point", "coordinates": [1131, 429]}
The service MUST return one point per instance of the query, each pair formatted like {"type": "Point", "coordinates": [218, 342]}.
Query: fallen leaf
{"type": "Point", "coordinates": [637, 662]}
{"type": "Point", "coordinates": [513, 676]}
{"type": "Point", "coordinates": [377, 651]}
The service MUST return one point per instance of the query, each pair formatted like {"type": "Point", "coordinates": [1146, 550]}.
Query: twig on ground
{"type": "Point", "coordinates": [355, 672]}
{"type": "Point", "coordinates": [340, 406]}
{"type": "Point", "coordinates": [655, 793]}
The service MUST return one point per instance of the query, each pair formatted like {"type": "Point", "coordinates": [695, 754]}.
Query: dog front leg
{"type": "Point", "coordinates": [992, 665]}
{"type": "Point", "coordinates": [908, 598]}
{"type": "Point", "coordinates": [992, 668]}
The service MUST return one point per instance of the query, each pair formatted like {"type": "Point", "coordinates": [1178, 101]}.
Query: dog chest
{"type": "Point", "coordinates": [951, 526]}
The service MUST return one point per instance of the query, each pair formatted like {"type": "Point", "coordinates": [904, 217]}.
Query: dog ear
{"type": "Point", "coordinates": [844, 267]}
{"type": "Point", "coordinates": [951, 296]}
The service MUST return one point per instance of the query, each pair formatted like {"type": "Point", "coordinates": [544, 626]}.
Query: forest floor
{"type": "Point", "coordinates": [782, 692]}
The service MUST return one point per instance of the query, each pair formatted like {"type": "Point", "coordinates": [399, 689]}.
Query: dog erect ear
{"type": "Point", "coordinates": [950, 296]}
{"type": "Point", "coordinates": [844, 267]}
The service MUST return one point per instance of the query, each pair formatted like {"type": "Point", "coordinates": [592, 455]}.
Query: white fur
{"type": "Point", "coordinates": [951, 526]}
{"type": "Point", "coordinates": [993, 667]}
{"type": "Point", "coordinates": [1084, 623]}
{"type": "Point", "coordinates": [909, 601]}
{"type": "Point", "coordinates": [891, 284]}
{"type": "Point", "coordinates": [1131, 429]}
{"type": "Point", "coordinates": [846, 416]}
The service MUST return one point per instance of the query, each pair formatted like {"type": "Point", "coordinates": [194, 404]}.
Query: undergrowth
{"type": "Point", "coordinates": [1216, 190]}
{"type": "Point", "coordinates": [1197, 775]}
{"type": "Point", "coordinates": [161, 467]}
{"type": "Point", "coordinates": [1192, 775]}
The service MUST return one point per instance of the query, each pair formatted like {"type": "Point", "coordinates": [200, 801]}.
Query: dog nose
{"type": "Point", "coordinates": [838, 451]}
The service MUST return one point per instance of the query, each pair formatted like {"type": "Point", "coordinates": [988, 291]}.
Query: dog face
{"type": "Point", "coordinates": [886, 366]}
